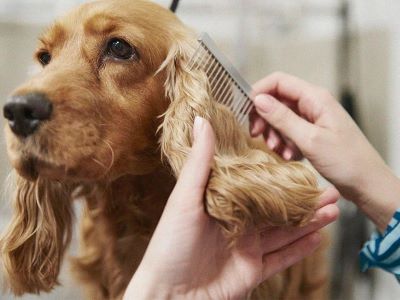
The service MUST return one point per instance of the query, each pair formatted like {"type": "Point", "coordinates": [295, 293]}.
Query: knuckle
{"type": "Point", "coordinates": [278, 75]}
{"type": "Point", "coordinates": [314, 138]}
{"type": "Point", "coordinates": [280, 115]}
{"type": "Point", "coordinates": [332, 214]}
{"type": "Point", "coordinates": [323, 218]}
{"type": "Point", "coordinates": [325, 95]}
{"type": "Point", "coordinates": [314, 240]}
{"type": "Point", "coordinates": [286, 258]}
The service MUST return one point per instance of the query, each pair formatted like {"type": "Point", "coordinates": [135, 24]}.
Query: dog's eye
{"type": "Point", "coordinates": [44, 57]}
{"type": "Point", "coordinates": [118, 48]}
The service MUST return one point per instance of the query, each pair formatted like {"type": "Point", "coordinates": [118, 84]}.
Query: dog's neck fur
{"type": "Point", "coordinates": [119, 220]}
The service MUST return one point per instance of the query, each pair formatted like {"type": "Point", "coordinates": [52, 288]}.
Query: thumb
{"type": "Point", "coordinates": [282, 118]}
{"type": "Point", "coordinates": [193, 178]}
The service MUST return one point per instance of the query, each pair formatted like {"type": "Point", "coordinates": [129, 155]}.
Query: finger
{"type": "Point", "coordinates": [285, 148]}
{"type": "Point", "coordinates": [287, 153]}
{"type": "Point", "coordinates": [290, 145]}
{"type": "Point", "coordinates": [297, 154]}
{"type": "Point", "coordinates": [285, 86]}
{"type": "Point", "coordinates": [273, 139]}
{"type": "Point", "coordinates": [257, 124]}
{"type": "Point", "coordinates": [280, 260]}
{"type": "Point", "coordinates": [283, 119]}
{"type": "Point", "coordinates": [194, 175]}
{"type": "Point", "coordinates": [329, 196]}
{"type": "Point", "coordinates": [272, 240]}
{"type": "Point", "coordinates": [309, 100]}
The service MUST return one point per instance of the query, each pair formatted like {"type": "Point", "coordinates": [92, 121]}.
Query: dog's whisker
{"type": "Point", "coordinates": [99, 163]}
{"type": "Point", "coordinates": [105, 167]}
{"type": "Point", "coordinates": [112, 154]}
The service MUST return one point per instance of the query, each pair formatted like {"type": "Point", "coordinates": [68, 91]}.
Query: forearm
{"type": "Point", "coordinates": [147, 285]}
{"type": "Point", "coordinates": [380, 196]}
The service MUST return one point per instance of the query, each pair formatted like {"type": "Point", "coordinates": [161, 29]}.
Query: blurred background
{"type": "Point", "coordinates": [350, 47]}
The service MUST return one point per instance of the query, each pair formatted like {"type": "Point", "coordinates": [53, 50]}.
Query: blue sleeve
{"type": "Point", "coordinates": [383, 250]}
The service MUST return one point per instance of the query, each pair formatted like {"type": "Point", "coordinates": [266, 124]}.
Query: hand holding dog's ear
{"type": "Point", "coordinates": [188, 256]}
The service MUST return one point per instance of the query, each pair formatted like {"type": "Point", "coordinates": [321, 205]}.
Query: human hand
{"type": "Point", "coordinates": [304, 119]}
{"type": "Point", "coordinates": [188, 257]}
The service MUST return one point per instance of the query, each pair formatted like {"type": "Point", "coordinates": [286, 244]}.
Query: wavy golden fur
{"type": "Point", "coordinates": [118, 136]}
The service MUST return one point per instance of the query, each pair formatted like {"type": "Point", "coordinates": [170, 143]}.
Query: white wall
{"type": "Point", "coordinates": [379, 23]}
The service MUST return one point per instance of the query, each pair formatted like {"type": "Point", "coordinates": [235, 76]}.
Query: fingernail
{"type": "Point", "coordinates": [272, 143]}
{"type": "Point", "coordinates": [264, 102]}
{"type": "Point", "coordinates": [287, 154]}
{"type": "Point", "coordinates": [254, 133]}
{"type": "Point", "coordinates": [197, 127]}
{"type": "Point", "coordinates": [253, 129]}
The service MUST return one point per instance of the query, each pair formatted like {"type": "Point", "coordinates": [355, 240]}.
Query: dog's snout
{"type": "Point", "coordinates": [26, 112]}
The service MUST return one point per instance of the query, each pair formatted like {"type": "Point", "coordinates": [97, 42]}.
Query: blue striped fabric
{"type": "Point", "coordinates": [383, 250]}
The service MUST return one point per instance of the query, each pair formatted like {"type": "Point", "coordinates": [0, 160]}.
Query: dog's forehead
{"type": "Point", "coordinates": [106, 16]}
{"type": "Point", "coordinates": [54, 35]}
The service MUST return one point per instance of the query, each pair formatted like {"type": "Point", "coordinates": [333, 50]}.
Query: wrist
{"type": "Point", "coordinates": [144, 286]}
{"type": "Point", "coordinates": [147, 285]}
{"type": "Point", "coordinates": [378, 195]}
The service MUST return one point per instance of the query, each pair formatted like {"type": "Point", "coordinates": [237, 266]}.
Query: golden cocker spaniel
{"type": "Point", "coordinates": [109, 119]}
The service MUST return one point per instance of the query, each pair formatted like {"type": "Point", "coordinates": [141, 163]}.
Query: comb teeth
{"type": "Point", "coordinates": [227, 86]}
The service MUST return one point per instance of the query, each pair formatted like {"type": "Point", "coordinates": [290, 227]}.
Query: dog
{"type": "Point", "coordinates": [109, 119]}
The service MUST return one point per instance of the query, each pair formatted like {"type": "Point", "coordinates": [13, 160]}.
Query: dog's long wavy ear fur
{"type": "Point", "coordinates": [247, 187]}
{"type": "Point", "coordinates": [32, 247]}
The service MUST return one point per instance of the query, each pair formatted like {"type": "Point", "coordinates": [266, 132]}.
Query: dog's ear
{"type": "Point", "coordinates": [184, 88]}
{"type": "Point", "coordinates": [33, 246]}
{"type": "Point", "coordinates": [247, 187]}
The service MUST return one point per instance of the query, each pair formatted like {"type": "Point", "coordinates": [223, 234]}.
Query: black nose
{"type": "Point", "coordinates": [26, 112]}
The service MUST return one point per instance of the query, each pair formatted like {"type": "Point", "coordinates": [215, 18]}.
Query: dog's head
{"type": "Point", "coordinates": [92, 109]}
{"type": "Point", "coordinates": [90, 114]}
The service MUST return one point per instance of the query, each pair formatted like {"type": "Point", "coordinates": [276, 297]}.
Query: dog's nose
{"type": "Point", "coordinates": [26, 112]}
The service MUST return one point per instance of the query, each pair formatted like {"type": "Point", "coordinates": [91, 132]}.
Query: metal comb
{"type": "Point", "coordinates": [227, 86]}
